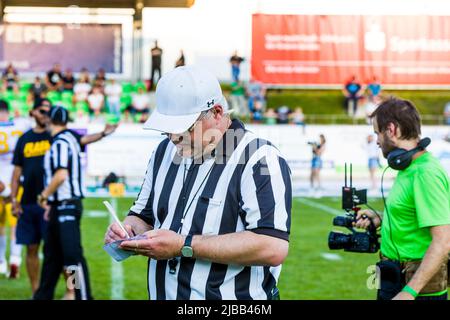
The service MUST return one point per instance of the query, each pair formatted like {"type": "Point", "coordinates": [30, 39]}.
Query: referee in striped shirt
{"type": "Point", "coordinates": [62, 200]}
{"type": "Point", "coordinates": [215, 204]}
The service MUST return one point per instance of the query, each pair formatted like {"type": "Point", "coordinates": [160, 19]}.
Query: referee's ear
{"type": "Point", "coordinates": [217, 109]}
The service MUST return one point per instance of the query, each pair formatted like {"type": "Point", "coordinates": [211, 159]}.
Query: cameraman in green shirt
{"type": "Point", "coordinates": [415, 233]}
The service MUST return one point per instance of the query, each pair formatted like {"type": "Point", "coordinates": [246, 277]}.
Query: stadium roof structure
{"type": "Point", "coordinates": [131, 4]}
{"type": "Point", "coordinates": [136, 5]}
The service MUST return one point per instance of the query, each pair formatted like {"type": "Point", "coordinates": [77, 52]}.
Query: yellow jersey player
{"type": "Point", "coordinates": [10, 131]}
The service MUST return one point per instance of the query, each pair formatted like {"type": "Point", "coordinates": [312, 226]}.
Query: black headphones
{"type": "Point", "coordinates": [400, 159]}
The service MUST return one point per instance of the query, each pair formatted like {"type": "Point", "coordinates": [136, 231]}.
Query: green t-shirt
{"type": "Point", "coordinates": [418, 200]}
{"type": "Point", "coordinates": [237, 89]}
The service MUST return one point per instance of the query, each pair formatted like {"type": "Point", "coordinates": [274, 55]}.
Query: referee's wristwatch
{"type": "Point", "coordinates": [186, 250]}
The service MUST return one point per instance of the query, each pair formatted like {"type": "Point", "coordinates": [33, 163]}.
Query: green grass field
{"type": "Point", "coordinates": [306, 273]}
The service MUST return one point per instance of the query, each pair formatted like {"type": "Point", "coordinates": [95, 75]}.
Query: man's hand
{"type": "Point", "coordinates": [47, 212]}
{"type": "Point", "coordinates": [402, 295]}
{"type": "Point", "coordinates": [16, 208]}
{"type": "Point", "coordinates": [159, 244]}
{"type": "Point", "coordinates": [115, 232]}
{"type": "Point", "coordinates": [42, 200]}
{"type": "Point", "coordinates": [364, 223]}
{"type": "Point", "coordinates": [109, 129]}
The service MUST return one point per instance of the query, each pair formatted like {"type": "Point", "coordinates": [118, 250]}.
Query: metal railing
{"type": "Point", "coordinates": [345, 119]}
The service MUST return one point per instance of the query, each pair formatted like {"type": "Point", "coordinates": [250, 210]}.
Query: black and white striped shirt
{"type": "Point", "coordinates": [64, 153]}
{"type": "Point", "coordinates": [248, 188]}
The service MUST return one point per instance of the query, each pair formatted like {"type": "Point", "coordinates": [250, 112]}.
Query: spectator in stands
{"type": "Point", "coordinates": [181, 61]}
{"type": "Point", "coordinates": [237, 99]}
{"type": "Point", "coordinates": [257, 111]}
{"type": "Point", "coordinates": [68, 80]}
{"type": "Point", "coordinates": [255, 92]}
{"type": "Point", "coordinates": [54, 78]}
{"type": "Point", "coordinates": [100, 78]}
{"type": "Point", "coordinates": [235, 62]}
{"type": "Point", "coordinates": [84, 74]}
{"type": "Point", "coordinates": [447, 113]}
{"type": "Point", "coordinates": [156, 53]}
{"type": "Point", "coordinates": [270, 117]}
{"type": "Point", "coordinates": [81, 90]}
{"type": "Point", "coordinates": [139, 105]}
{"type": "Point", "coordinates": [352, 92]}
{"type": "Point", "coordinates": [113, 92]}
{"type": "Point", "coordinates": [298, 118]}
{"type": "Point", "coordinates": [11, 78]}
{"type": "Point", "coordinates": [374, 89]}
{"type": "Point", "coordinates": [37, 91]}
{"type": "Point", "coordinates": [283, 113]}
{"type": "Point", "coordinates": [318, 149]}
{"type": "Point", "coordinates": [96, 101]}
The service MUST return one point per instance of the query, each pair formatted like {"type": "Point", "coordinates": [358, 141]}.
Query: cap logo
{"type": "Point", "coordinates": [210, 104]}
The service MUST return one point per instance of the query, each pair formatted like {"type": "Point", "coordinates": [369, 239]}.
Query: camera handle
{"type": "Point", "coordinates": [372, 229]}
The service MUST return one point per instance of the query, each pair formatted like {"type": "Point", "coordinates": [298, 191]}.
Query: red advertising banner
{"type": "Point", "coordinates": [315, 50]}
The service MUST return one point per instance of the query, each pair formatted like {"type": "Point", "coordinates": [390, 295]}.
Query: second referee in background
{"type": "Point", "coordinates": [62, 200]}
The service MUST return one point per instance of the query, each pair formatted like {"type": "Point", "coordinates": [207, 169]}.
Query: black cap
{"type": "Point", "coordinates": [59, 115]}
{"type": "Point", "coordinates": [40, 101]}
{"type": "Point", "coordinates": [4, 106]}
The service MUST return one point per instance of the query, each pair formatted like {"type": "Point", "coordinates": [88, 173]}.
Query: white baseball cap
{"type": "Point", "coordinates": [181, 95]}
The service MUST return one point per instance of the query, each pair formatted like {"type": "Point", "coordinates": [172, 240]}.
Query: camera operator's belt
{"type": "Point", "coordinates": [437, 284]}
{"type": "Point", "coordinates": [401, 263]}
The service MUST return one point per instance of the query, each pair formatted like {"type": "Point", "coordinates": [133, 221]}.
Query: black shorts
{"type": "Point", "coordinates": [31, 226]}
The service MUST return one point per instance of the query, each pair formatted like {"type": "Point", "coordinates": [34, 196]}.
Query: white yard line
{"type": "Point", "coordinates": [95, 214]}
{"type": "Point", "coordinates": [322, 207]}
{"type": "Point", "coordinates": [330, 210]}
{"type": "Point", "coordinates": [331, 256]}
{"type": "Point", "coordinates": [117, 281]}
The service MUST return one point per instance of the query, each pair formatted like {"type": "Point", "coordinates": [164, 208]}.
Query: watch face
{"type": "Point", "coordinates": [187, 252]}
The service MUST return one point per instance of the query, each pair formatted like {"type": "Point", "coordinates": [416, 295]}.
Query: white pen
{"type": "Point", "coordinates": [113, 213]}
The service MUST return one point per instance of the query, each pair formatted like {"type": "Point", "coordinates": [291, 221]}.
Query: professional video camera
{"type": "Point", "coordinates": [366, 241]}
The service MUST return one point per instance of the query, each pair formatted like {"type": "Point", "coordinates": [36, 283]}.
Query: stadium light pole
{"type": "Point", "coordinates": [137, 41]}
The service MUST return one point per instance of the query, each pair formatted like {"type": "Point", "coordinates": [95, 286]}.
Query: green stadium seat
{"type": "Point", "coordinates": [127, 87]}
{"type": "Point", "coordinates": [22, 96]}
{"type": "Point", "coordinates": [66, 96]}
{"type": "Point", "coordinates": [24, 109]}
{"type": "Point", "coordinates": [25, 85]}
{"type": "Point", "coordinates": [123, 106]}
{"type": "Point", "coordinates": [8, 96]}
{"type": "Point", "coordinates": [125, 98]}
{"type": "Point", "coordinates": [82, 106]}
{"type": "Point", "coordinates": [54, 96]}
{"type": "Point", "coordinates": [112, 119]}
{"type": "Point", "coordinates": [24, 89]}
{"type": "Point", "coordinates": [68, 105]}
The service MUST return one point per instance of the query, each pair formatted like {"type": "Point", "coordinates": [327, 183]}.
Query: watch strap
{"type": "Point", "coordinates": [188, 241]}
